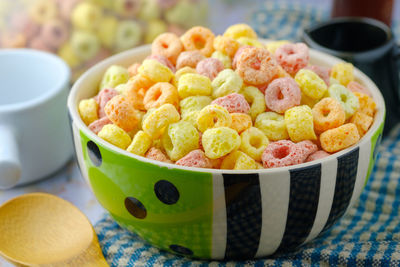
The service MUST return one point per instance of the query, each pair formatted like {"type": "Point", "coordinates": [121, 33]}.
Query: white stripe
{"type": "Point", "coordinates": [219, 218]}
{"type": "Point", "coordinates": [326, 193]}
{"type": "Point", "coordinates": [362, 170]}
{"type": "Point", "coordinates": [275, 190]}
{"type": "Point", "coordinates": [79, 152]}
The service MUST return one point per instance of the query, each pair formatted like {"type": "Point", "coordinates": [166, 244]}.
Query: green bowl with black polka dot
{"type": "Point", "coordinates": [221, 214]}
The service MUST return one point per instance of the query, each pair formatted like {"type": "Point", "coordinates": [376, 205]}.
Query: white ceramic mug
{"type": "Point", "coordinates": [35, 139]}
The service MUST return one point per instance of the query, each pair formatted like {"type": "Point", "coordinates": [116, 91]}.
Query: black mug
{"type": "Point", "coordinates": [368, 44]}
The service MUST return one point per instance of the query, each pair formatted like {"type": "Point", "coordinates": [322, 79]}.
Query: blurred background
{"type": "Point", "coordinates": [83, 32]}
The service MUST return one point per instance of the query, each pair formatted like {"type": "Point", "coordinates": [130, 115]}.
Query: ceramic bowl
{"type": "Point", "coordinates": [221, 214]}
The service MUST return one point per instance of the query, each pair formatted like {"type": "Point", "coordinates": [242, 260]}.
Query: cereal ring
{"type": "Point", "coordinates": [367, 104]}
{"type": "Point", "coordinates": [140, 144]}
{"type": "Point", "coordinates": [194, 103]}
{"type": "Point", "coordinates": [122, 113]}
{"type": "Point", "coordinates": [307, 147]}
{"type": "Point", "coordinates": [250, 41]}
{"type": "Point", "coordinates": [104, 96]}
{"type": "Point", "coordinates": [88, 110]}
{"type": "Point", "coordinates": [272, 125]}
{"type": "Point", "coordinates": [212, 116]}
{"type": "Point", "coordinates": [158, 120]}
{"type": "Point", "coordinates": [320, 154]}
{"type": "Point", "coordinates": [225, 59]}
{"type": "Point", "coordinates": [322, 72]}
{"type": "Point", "coordinates": [85, 44]}
{"type": "Point", "coordinates": [253, 143]}
{"type": "Point", "coordinates": [163, 60]}
{"type": "Point", "coordinates": [299, 123]}
{"type": "Point", "coordinates": [226, 45]}
{"type": "Point", "coordinates": [343, 73]}
{"type": "Point", "coordinates": [115, 135]}
{"type": "Point", "coordinates": [168, 45]}
{"type": "Point", "coordinates": [160, 94]}
{"type": "Point", "coordinates": [226, 82]}
{"type": "Point", "coordinates": [179, 73]}
{"type": "Point", "coordinates": [192, 84]}
{"type": "Point", "coordinates": [282, 94]}
{"type": "Point", "coordinates": [189, 59]}
{"type": "Point", "coordinates": [256, 66]}
{"type": "Point", "coordinates": [292, 57]}
{"type": "Point", "coordinates": [240, 30]}
{"type": "Point", "coordinates": [234, 103]}
{"type": "Point", "coordinates": [339, 138]}
{"type": "Point", "coordinates": [240, 122]}
{"type": "Point", "coordinates": [195, 158]}
{"type": "Point", "coordinates": [328, 114]}
{"type": "Point", "coordinates": [311, 84]}
{"type": "Point", "coordinates": [200, 39]}
{"type": "Point", "coordinates": [179, 139]}
{"type": "Point", "coordinates": [362, 121]}
{"type": "Point", "coordinates": [150, 10]}
{"type": "Point", "coordinates": [272, 46]}
{"type": "Point", "coordinates": [86, 16]}
{"type": "Point", "coordinates": [237, 160]}
{"type": "Point", "coordinates": [238, 54]}
{"type": "Point", "coordinates": [54, 33]}
{"type": "Point", "coordinates": [156, 154]}
{"type": "Point", "coordinates": [282, 153]}
{"type": "Point", "coordinates": [209, 67]}
{"type": "Point", "coordinates": [133, 69]}
{"type": "Point", "coordinates": [356, 87]}
{"type": "Point", "coordinates": [114, 76]}
{"type": "Point", "coordinates": [256, 100]}
{"type": "Point", "coordinates": [156, 71]}
{"type": "Point", "coordinates": [183, 13]}
{"type": "Point", "coordinates": [67, 53]}
{"type": "Point", "coordinates": [127, 8]}
{"type": "Point", "coordinates": [220, 141]}
{"type": "Point", "coordinates": [106, 31]}
{"type": "Point", "coordinates": [97, 125]}
{"type": "Point", "coordinates": [42, 11]}
{"type": "Point", "coordinates": [347, 99]}
{"type": "Point", "coordinates": [136, 89]}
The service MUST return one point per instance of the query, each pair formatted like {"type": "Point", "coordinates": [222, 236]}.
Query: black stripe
{"type": "Point", "coordinates": [303, 203]}
{"type": "Point", "coordinates": [243, 215]}
{"type": "Point", "coordinates": [345, 180]}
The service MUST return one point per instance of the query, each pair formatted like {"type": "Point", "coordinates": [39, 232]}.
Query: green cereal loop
{"type": "Point", "coordinates": [115, 75]}
{"type": "Point", "coordinates": [226, 82]}
{"type": "Point", "coordinates": [346, 98]}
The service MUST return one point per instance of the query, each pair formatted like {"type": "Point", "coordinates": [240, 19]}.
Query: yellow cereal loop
{"type": "Point", "coordinates": [339, 138]}
{"type": "Point", "coordinates": [272, 46]}
{"type": "Point", "coordinates": [250, 41]}
{"type": "Point", "coordinates": [86, 16]}
{"type": "Point", "coordinates": [192, 84]}
{"type": "Point", "coordinates": [310, 84]}
{"type": "Point", "coordinates": [213, 116]}
{"type": "Point", "coordinates": [114, 76]}
{"type": "Point", "coordinates": [299, 123]}
{"type": "Point", "coordinates": [224, 58]}
{"type": "Point", "coordinates": [240, 30]}
{"type": "Point", "coordinates": [191, 117]}
{"type": "Point", "coordinates": [115, 135]}
{"type": "Point", "coordinates": [66, 52]}
{"type": "Point", "coordinates": [272, 125]}
{"type": "Point", "coordinates": [253, 143]}
{"type": "Point", "coordinates": [194, 103]}
{"type": "Point", "coordinates": [226, 45]}
{"type": "Point", "coordinates": [306, 100]}
{"type": "Point", "coordinates": [106, 31]}
{"type": "Point", "coordinates": [367, 104]}
{"type": "Point", "coordinates": [255, 99]}
{"type": "Point", "coordinates": [226, 82]}
{"type": "Point", "coordinates": [140, 144]}
{"type": "Point", "coordinates": [180, 72]}
{"type": "Point", "coordinates": [240, 122]}
{"type": "Point", "coordinates": [155, 71]}
{"type": "Point", "coordinates": [362, 121]}
{"type": "Point", "coordinates": [343, 73]}
{"type": "Point", "coordinates": [88, 110]}
{"type": "Point", "coordinates": [179, 139]}
{"type": "Point", "coordinates": [220, 141]}
{"type": "Point", "coordinates": [237, 160]}
{"type": "Point", "coordinates": [155, 123]}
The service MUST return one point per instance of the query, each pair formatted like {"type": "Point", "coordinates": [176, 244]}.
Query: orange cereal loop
{"type": "Point", "coordinates": [240, 122]}
{"type": "Point", "coordinates": [136, 89]}
{"type": "Point", "coordinates": [122, 113]}
{"type": "Point", "coordinates": [367, 104]}
{"type": "Point", "coordinates": [226, 45]}
{"type": "Point", "coordinates": [167, 44]}
{"type": "Point", "coordinates": [339, 138]}
{"type": "Point", "coordinates": [328, 114]}
{"type": "Point", "coordinates": [160, 94]}
{"type": "Point", "coordinates": [362, 121]}
{"type": "Point", "coordinates": [256, 66]}
{"type": "Point", "coordinates": [200, 39]}
{"type": "Point", "coordinates": [133, 69]}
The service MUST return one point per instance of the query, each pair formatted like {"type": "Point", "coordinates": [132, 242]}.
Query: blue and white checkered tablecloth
{"type": "Point", "coordinates": [369, 235]}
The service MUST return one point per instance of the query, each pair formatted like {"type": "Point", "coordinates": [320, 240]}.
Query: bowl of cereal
{"type": "Point", "coordinates": [225, 147]}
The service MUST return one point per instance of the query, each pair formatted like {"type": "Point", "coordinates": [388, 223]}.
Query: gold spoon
{"type": "Point", "coordinates": [40, 229]}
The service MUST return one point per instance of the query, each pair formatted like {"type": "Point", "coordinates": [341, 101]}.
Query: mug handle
{"type": "Point", "coordinates": [10, 165]}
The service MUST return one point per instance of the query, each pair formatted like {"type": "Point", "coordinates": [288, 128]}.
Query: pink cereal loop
{"type": "Point", "coordinates": [356, 87]}
{"type": "Point", "coordinates": [189, 59]}
{"type": "Point", "coordinates": [317, 155]}
{"type": "Point", "coordinates": [210, 67]}
{"type": "Point", "coordinates": [292, 57]}
{"type": "Point", "coordinates": [234, 103]}
{"type": "Point", "coordinates": [163, 60]}
{"type": "Point", "coordinates": [282, 94]}
{"type": "Point", "coordinates": [195, 158]}
{"type": "Point", "coordinates": [322, 72]}
{"type": "Point", "coordinates": [308, 147]}
{"type": "Point", "coordinates": [282, 153]}
{"type": "Point", "coordinates": [97, 125]}
{"type": "Point", "coordinates": [104, 96]}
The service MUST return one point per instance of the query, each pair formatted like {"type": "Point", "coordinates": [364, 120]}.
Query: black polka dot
{"type": "Point", "coordinates": [135, 207]}
{"type": "Point", "coordinates": [166, 192]}
{"type": "Point", "coordinates": [181, 250]}
{"type": "Point", "coordinates": [94, 153]}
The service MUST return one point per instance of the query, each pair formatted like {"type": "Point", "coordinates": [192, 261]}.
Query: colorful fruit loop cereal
{"type": "Point", "coordinates": [272, 111]}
